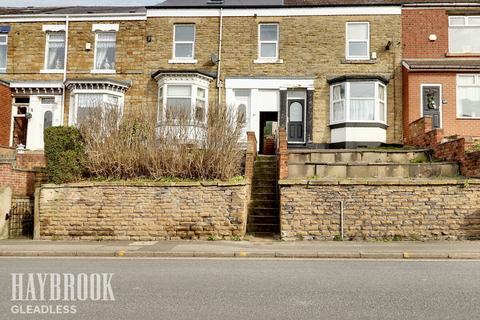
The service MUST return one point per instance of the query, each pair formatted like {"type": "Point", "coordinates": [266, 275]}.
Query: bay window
{"type": "Point", "coordinates": [358, 101]}
{"type": "Point", "coordinates": [463, 34]}
{"type": "Point", "coordinates": [85, 102]}
{"type": "Point", "coordinates": [468, 96]}
{"type": "Point", "coordinates": [182, 100]}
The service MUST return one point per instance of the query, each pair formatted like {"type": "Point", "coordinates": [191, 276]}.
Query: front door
{"type": "Point", "coordinates": [296, 120]}
{"type": "Point", "coordinates": [431, 103]}
{"type": "Point", "coordinates": [242, 104]}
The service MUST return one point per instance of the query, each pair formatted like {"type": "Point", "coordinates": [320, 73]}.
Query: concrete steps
{"type": "Point", "coordinates": [263, 212]}
{"type": "Point", "coordinates": [366, 163]}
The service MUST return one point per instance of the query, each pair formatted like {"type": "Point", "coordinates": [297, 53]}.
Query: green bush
{"type": "Point", "coordinates": [65, 154]}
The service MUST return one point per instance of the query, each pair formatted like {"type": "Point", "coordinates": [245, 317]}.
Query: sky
{"type": "Point", "coordinates": [62, 3]}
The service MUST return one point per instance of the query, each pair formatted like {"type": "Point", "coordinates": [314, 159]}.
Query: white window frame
{"type": "Point", "coordinates": [347, 41]}
{"type": "Point", "coordinates": [72, 119]}
{"type": "Point", "coordinates": [176, 59]}
{"type": "Point", "coordinates": [276, 42]}
{"type": "Point", "coordinates": [47, 41]}
{"type": "Point", "coordinates": [348, 99]}
{"type": "Point", "coordinates": [476, 85]}
{"type": "Point", "coordinates": [440, 107]}
{"type": "Point", "coordinates": [194, 85]}
{"type": "Point", "coordinates": [4, 43]}
{"type": "Point", "coordinates": [466, 24]}
{"type": "Point", "coordinates": [94, 69]}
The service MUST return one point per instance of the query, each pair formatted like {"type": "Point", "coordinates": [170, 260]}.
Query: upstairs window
{"type": "Point", "coordinates": [55, 51]}
{"type": "Point", "coordinates": [184, 42]}
{"type": "Point", "coordinates": [463, 33]}
{"type": "Point", "coordinates": [268, 37]}
{"type": "Point", "coordinates": [105, 45]}
{"type": "Point", "coordinates": [358, 101]}
{"type": "Point", "coordinates": [3, 52]}
{"type": "Point", "coordinates": [468, 96]}
{"type": "Point", "coordinates": [358, 41]}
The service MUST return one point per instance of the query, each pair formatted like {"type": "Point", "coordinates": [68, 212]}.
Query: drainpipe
{"type": "Point", "coordinates": [219, 63]}
{"type": "Point", "coordinates": [65, 59]}
{"type": "Point", "coordinates": [342, 218]}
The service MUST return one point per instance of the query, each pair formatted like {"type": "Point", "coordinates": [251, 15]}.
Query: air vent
{"type": "Point", "coordinates": [215, 1]}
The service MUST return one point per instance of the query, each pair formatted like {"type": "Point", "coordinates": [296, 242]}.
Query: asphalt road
{"type": "Point", "coordinates": [261, 289]}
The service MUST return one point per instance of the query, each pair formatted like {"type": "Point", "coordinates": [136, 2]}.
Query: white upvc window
{"type": "Point", "coordinates": [84, 101]}
{"type": "Point", "coordinates": [268, 39]}
{"type": "Point", "coordinates": [468, 96]}
{"type": "Point", "coordinates": [3, 52]}
{"type": "Point", "coordinates": [185, 99]}
{"type": "Point", "coordinates": [55, 51]}
{"type": "Point", "coordinates": [358, 101]}
{"type": "Point", "coordinates": [105, 47]}
{"type": "Point", "coordinates": [463, 33]}
{"type": "Point", "coordinates": [357, 41]}
{"type": "Point", "coordinates": [183, 43]}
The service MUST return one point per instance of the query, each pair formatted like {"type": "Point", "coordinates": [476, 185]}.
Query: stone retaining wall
{"type": "Point", "coordinates": [142, 211]}
{"type": "Point", "coordinates": [376, 209]}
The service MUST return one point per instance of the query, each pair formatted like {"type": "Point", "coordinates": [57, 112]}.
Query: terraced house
{"type": "Point", "coordinates": [55, 62]}
{"type": "Point", "coordinates": [329, 72]}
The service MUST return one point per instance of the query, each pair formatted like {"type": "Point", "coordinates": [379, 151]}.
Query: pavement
{"type": "Point", "coordinates": [244, 249]}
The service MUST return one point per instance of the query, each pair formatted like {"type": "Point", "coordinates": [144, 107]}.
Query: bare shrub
{"type": "Point", "coordinates": [134, 146]}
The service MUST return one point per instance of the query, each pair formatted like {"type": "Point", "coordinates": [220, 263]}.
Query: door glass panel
{"type": "Point", "coordinates": [47, 119]}
{"type": "Point", "coordinates": [242, 114]}
{"type": "Point", "coordinates": [296, 112]}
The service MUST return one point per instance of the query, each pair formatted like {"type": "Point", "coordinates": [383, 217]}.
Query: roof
{"type": "Point", "coordinates": [447, 64]}
{"type": "Point", "coordinates": [302, 3]}
{"type": "Point", "coordinates": [160, 72]}
{"type": "Point", "coordinates": [69, 10]}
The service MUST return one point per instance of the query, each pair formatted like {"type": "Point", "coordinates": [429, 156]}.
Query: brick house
{"type": "Point", "coordinates": [330, 74]}
{"type": "Point", "coordinates": [441, 66]}
{"type": "Point", "coordinates": [55, 61]}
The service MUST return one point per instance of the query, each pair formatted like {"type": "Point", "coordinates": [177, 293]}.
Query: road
{"type": "Point", "coordinates": [262, 289]}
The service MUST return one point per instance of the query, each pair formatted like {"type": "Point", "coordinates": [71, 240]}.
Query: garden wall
{"type": "Point", "coordinates": [142, 211]}
{"type": "Point", "coordinates": [376, 209]}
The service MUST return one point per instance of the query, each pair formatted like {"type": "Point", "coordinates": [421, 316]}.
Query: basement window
{"type": "Point", "coordinates": [358, 101]}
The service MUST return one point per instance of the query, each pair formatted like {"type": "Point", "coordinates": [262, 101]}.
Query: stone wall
{"type": "Point", "coordinates": [143, 211]}
{"type": "Point", "coordinates": [375, 209]}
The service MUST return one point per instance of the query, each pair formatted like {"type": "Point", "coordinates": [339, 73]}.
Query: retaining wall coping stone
{"type": "Point", "coordinates": [413, 182]}
{"type": "Point", "coordinates": [144, 184]}
{"type": "Point", "coordinates": [303, 151]}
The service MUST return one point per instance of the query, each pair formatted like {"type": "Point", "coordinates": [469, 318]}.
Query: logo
{"type": "Point", "coordinates": [53, 293]}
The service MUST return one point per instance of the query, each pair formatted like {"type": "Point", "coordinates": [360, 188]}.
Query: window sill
{"type": "Point", "coordinates": [51, 71]}
{"type": "Point", "coordinates": [180, 61]}
{"type": "Point", "coordinates": [264, 60]}
{"type": "Point", "coordinates": [103, 71]}
{"type": "Point", "coordinates": [462, 55]}
{"type": "Point", "coordinates": [468, 118]}
{"type": "Point", "coordinates": [358, 61]}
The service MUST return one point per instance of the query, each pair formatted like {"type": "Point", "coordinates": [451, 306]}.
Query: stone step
{"type": "Point", "coordinates": [266, 235]}
{"type": "Point", "coordinates": [258, 211]}
{"type": "Point", "coordinates": [270, 203]}
{"type": "Point", "coordinates": [263, 195]}
{"type": "Point", "coordinates": [253, 219]}
{"type": "Point", "coordinates": [380, 170]}
{"type": "Point", "coordinates": [264, 189]}
{"type": "Point", "coordinates": [359, 156]}
{"type": "Point", "coordinates": [265, 175]}
{"type": "Point", "coordinates": [264, 182]}
{"type": "Point", "coordinates": [263, 227]}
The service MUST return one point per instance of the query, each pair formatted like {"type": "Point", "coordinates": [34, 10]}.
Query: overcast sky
{"type": "Point", "coordinates": [43, 3]}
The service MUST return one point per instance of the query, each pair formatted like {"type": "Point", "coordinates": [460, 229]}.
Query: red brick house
{"type": "Point", "coordinates": [441, 65]}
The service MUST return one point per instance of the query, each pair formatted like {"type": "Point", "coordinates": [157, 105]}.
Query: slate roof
{"type": "Point", "coordinates": [69, 10]}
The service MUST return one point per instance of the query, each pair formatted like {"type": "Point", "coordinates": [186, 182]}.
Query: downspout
{"type": "Point", "coordinates": [65, 59]}
{"type": "Point", "coordinates": [219, 62]}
